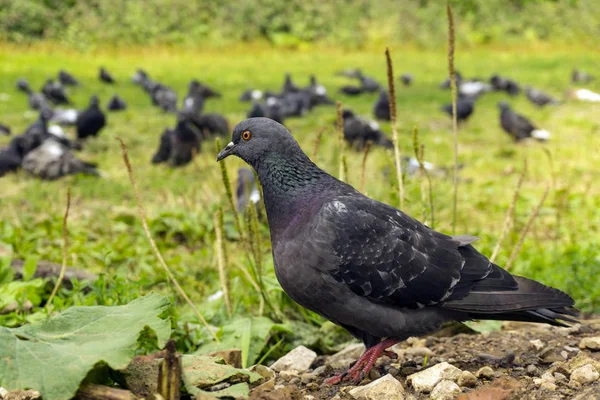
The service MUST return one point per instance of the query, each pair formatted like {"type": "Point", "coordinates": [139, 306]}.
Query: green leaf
{"type": "Point", "coordinates": [29, 267]}
{"type": "Point", "coordinates": [7, 274]}
{"type": "Point", "coordinates": [19, 291]}
{"type": "Point", "coordinates": [200, 372]}
{"type": "Point", "coordinates": [248, 334]}
{"type": "Point", "coordinates": [54, 356]}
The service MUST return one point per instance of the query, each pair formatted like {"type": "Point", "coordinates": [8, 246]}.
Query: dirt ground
{"type": "Point", "coordinates": [519, 355]}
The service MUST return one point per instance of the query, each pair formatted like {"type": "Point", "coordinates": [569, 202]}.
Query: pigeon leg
{"type": "Point", "coordinates": [365, 363]}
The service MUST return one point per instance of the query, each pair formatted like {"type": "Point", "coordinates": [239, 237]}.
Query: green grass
{"type": "Point", "coordinates": [105, 233]}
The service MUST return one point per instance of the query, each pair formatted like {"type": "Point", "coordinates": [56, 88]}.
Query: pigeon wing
{"type": "Point", "coordinates": [391, 258]}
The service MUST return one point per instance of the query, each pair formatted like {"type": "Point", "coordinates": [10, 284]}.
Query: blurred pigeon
{"type": "Point", "coordinates": [246, 191]}
{"type": "Point", "coordinates": [37, 101]}
{"type": "Point", "coordinates": [9, 161]}
{"type": "Point", "coordinates": [288, 85]}
{"type": "Point", "coordinates": [581, 76]}
{"type": "Point", "coordinates": [140, 77]}
{"type": "Point", "coordinates": [55, 92]}
{"type": "Point", "coordinates": [67, 79]}
{"type": "Point", "coordinates": [584, 95]}
{"type": "Point", "coordinates": [519, 127]}
{"type": "Point", "coordinates": [5, 130]}
{"type": "Point", "coordinates": [369, 267]}
{"type": "Point", "coordinates": [251, 94]}
{"type": "Point", "coordinates": [381, 109]}
{"type": "Point", "coordinates": [52, 160]}
{"type": "Point", "coordinates": [272, 109]}
{"type": "Point", "coordinates": [317, 93]}
{"type": "Point", "coordinates": [193, 102]}
{"type": "Point", "coordinates": [473, 88]}
{"type": "Point", "coordinates": [116, 103]}
{"type": "Point", "coordinates": [446, 84]}
{"type": "Point", "coordinates": [293, 104]}
{"type": "Point", "coordinates": [164, 97]}
{"type": "Point", "coordinates": [353, 73]}
{"type": "Point", "coordinates": [91, 120]}
{"type": "Point", "coordinates": [465, 105]}
{"type": "Point", "coordinates": [164, 148]}
{"type": "Point", "coordinates": [368, 84]}
{"type": "Point", "coordinates": [406, 79]}
{"type": "Point", "coordinates": [359, 131]}
{"type": "Point", "coordinates": [210, 124]}
{"type": "Point", "coordinates": [351, 90]}
{"type": "Point", "coordinates": [538, 97]}
{"type": "Point", "coordinates": [66, 117]}
{"type": "Point", "coordinates": [105, 76]}
{"type": "Point", "coordinates": [505, 85]}
{"type": "Point", "coordinates": [178, 146]}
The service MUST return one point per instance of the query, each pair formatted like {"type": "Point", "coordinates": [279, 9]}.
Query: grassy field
{"type": "Point", "coordinates": [105, 234]}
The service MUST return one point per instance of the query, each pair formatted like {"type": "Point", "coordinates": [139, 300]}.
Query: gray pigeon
{"type": "Point", "coordinates": [369, 267]}
{"type": "Point", "coordinates": [538, 97]}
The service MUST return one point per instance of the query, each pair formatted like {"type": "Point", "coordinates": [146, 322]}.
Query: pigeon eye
{"type": "Point", "coordinates": [246, 135]}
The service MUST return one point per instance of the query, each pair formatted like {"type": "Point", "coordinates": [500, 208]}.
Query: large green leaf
{"type": "Point", "coordinates": [247, 334]}
{"type": "Point", "coordinates": [55, 356]}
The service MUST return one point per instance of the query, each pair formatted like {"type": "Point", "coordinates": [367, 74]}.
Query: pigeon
{"type": "Point", "coordinates": [368, 84]}
{"type": "Point", "coordinates": [5, 130]}
{"type": "Point", "coordinates": [105, 76]}
{"type": "Point", "coordinates": [116, 103]}
{"type": "Point", "coordinates": [505, 85]}
{"type": "Point", "coordinates": [538, 97]}
{"type": "Point", "coordinates": [203, 89]}
{"type": "Point", "coordinates": [164, 97]}
{"type": "Point", "coordinates": [317, 93]}
{"type": "Point", "coordinates": [381, 109]}
{"type": "Point", "coordinates": [272, 109]}
{"type": "Point", "coordinates": [246, 190]}
{"type": "Point", "coordinates": [37, 101]}
{"type": "Point", "coordinates": [67, 79]}
{"type": "Point", "coordinates": [519, 127]}
{"type": "Point", "coordinates": [353, 73]}
{"type": "Point", "coordinates": [140, 77]}
{"type": "Point", "coordinates": [55, 92]}
{"type": "Point", "coordinates": [473, 88]}
{"type": "Point", "coordinates": [359, 131]}
{"type": "Point", "coordinates": [193, 102]}
{"type": "Point", "coordinates": [370, 268]}
{"type": "Point", "coordinates": [251, 94]}
{"type": "Point", "coordinates": [178, 146]}
{"type": "Point", "coordinates": [10, 161]}
{"type": "Point", "coordinates": [351, 90]}
{"type": "Point", "coordinates": [465, 105]}
{"type": "Point", "coordinates": [584, 95]}
{"type": "Point", "coordinates": [210, 124]}
{"type": "Point", "coordinates": [91, 120]}
{"type": "Point", "coordinates": [293, 104]}
{"type": "Point", "coordinates": [581, 76]}
{"type": "Point", "coordinates": [288, 85]}
{"type": "Point", "coordinates": [447, 83]}
{"type": "Point", "coordinates": [53, 160]}
{"type": "Point", "coordinates": [406, 79]}
{"type": "Point", "coordinates": [65, 117]}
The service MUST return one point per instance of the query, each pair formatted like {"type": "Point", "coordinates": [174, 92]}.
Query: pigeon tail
{"type": "Point", "coordinates": [531, 302]}
{"type": "Point", "coordinates": [540, 134]}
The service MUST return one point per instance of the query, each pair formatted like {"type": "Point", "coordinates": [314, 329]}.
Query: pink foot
{"type": "Point", "coordinates": [365, 363]}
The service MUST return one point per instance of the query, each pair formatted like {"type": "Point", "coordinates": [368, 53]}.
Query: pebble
{"type": "Point", "coordinates": [485, 372]}
{"type": "Point", "coordinates": [558, 377]}
{"type": "Point", "coordinates": [445, 390]}
{"type": "Point", "coordinates": [585, 374]}
{"type": "Point", "coordinates": [467, 379]}
{"type": "Point", "coordinates": [591, 343]}
{"type": "Point", "coordinates": [532, 370]}
{"type": "Point", "coordinates": [345, 357]}
{"type": "Point", "coordinates": [425, 381]}
{"type": "Point", "coordinates": [288, 375]}
{"type": "Point", "coordinates": [548, 386]}
{"type": "Point", "coordinates": [263, 371]}
{"type": "Point", "coordinates": [298, 359]}
{"type": "Point", "coordinates": [312, 386]}
{"type": "Point", "coordinates": [3, 392]}
{"type": "Point", "coordinates": [308, 397]}
{"type": "Point", "coordinates": [418, 351]}
{"type": "Point", "coordinates": [537, 344]}
{"type": "Point", "coordinates": [387, 387]}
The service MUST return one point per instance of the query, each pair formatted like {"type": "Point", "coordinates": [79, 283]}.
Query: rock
{"type": "Point", "coordinates": [288, 375]}
{"type": "Point", "coordinates": [425, 381]}
{"type": "Point", "coordinates": [551, 354]}
{"type": "Point", "coordinates": [445, 390]}
{"type": "Point", "coordinates": [298, 359]}
{"type": "Point", "coordinates": [579, 360]}
{"type": "Point", "coordinates": [312, 386]}
{"type": "Point", "coordinates": [548, 386]}
{"type": "Point", "coordinates": [263, 371]}
{"type": "Point", "coordinates": [387, 387]}
{"type": "Point", "coordinates": [308, 377]}
{"type": "Point", "coordinates": [345, 357]}
{"type": "Point", "coordinates": [560, 378]}
{"type": "Point", "coordinates": [532, 370]}
{"type": "Point", "coordinates": [418, 351]}
{"type": "Point", "coordinates": [3, 392]}
{"type": "Point", "coordinates": [546, 377]}
{"type": "Point", "coordinates": [141, 375]}
{"type": "Point", "coordinates": [485, 372]}
{"type": "Point", "coordinates": [467, 379]}
{"type": "Point", "coordinates": [537, 344]}
{"type": "Point", "coordinates": [23, 395]}
{"type": "Point", "coordinates": [591, 343]}
{"type": "Point", "coordinates": [231, 357]}
{"type": "Point", "coordinates": [585, 374]}
{"type": "Point", "coordinates": [323, 370]}
{"type": "Point", "coordinates": [308, 397]}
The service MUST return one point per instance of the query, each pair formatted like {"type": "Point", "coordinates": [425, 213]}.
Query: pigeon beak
{"type": "Point", "coordinates": [226, 151]}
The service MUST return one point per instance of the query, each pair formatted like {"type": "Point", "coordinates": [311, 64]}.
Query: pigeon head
{"type": "Point", "coordinates": [503, 106]}
{"type": "Point", "coordinates": [94, 101]}
{"type": "Point", "coordinates": [346, 113]}
{"type": "Point", "coordinates": [255, 138]}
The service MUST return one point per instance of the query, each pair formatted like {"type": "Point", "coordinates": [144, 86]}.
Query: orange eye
{"type": "Point", "coordinates": [246, 135]}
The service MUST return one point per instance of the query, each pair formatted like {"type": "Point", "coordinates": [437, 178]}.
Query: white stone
{"type": "Point", "coordinates": [485, 372]}
{"type": "Point", "coordinates": [418, 351]}
{"type": "Point", "coordinates": [467, 379]}
{"type": "Point", "coordinates": [537, 344]}
{"type": "Point", "coordinates": [345, 357]}
{"type": "Point", "coordinates": [3, 392]}
{"type": "Point", "coordinates": [592, 343]}
{"type": "Point", "coordinates": [298, 359]}
{"type": "Point", "coordinates": [584, 375]}
{"type": "Point", "coordinates": [445, 390]}
{"type": "Point", "coordinates": [548, 386]}
{"type": "Point", "coordinates": [386, 387]}
{"type": "Point", "coordinates": [425, 381]}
